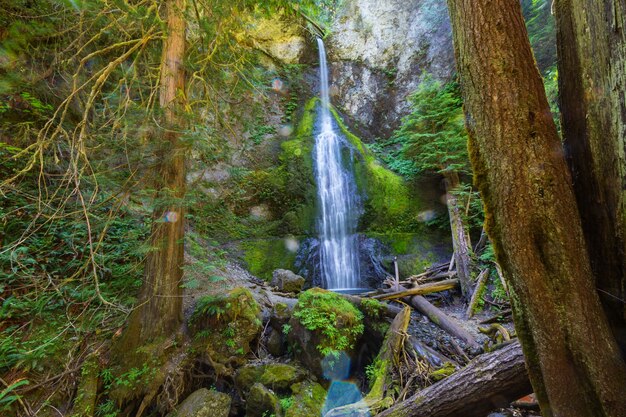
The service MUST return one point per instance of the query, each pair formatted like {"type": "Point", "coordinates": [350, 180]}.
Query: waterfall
{"type": "Point", "coordinates": [338, 197]}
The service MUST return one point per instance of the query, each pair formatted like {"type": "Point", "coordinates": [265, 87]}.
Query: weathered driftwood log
{"type": "Point", "coordinates": [420, 290]}
{"type": "Point", "coordinates": [442, 320]}
{"type": "Point", "coordinates": [491, 381]}
{"type": "Point", "coordinates": [478, 289]}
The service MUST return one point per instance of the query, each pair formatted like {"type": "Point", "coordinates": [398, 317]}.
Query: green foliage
{"type": "Point", "coordinates": [541, 31]}
{"type": "Point", "coordinates": [286, 403]}
{"type": "Point", "coordinates": [337, 321]}
{"type": "Point", "coordinates": [8, 395]}
{"type": "Point", "coordinates": [433, 135]}
{"type": "Point", "coordinates": [212, 306]}
{"type": "Point", "coordinates": [286, 329]}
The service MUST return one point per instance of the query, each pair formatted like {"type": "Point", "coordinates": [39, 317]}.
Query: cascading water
{"type": "Point", "coordinates": [338, 197]}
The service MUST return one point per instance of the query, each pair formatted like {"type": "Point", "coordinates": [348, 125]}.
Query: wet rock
{"type": "Point", "coordinates": [287, 281]}
{"type": "Point", "coordinates": [261, 402]}
{"type": "Point", "coordinates": [371, 257]}
{"type": "Point", "coordinates": [203, 403]}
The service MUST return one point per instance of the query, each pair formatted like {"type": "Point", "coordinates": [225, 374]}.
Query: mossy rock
{"type": "Point", "coordinates": [277, 376]}
{"type": "Point", "coordinates": [203, 403]}
{"type": "Point", "coordinates": [224, 327]}
{"type": "Point", "coordinates": [262, 402]}
{"type": "Point", "coordinates": [308, 400]}
{"type": "Point", "coordinates": [323, 323]}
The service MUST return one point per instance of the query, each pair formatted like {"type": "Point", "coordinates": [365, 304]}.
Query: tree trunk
{"type": "Point", "coordinates": [460, 237]}
{"type": "Point", "coordinates": [592, 84]}
{"type": "Point", "coordinates": [159, 310]}
{"type": "Point", "coordinates": [491, 381]}
{"type": "Point", "coordinates": [531, 216]}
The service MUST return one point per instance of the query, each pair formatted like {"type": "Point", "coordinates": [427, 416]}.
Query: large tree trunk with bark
{"type": "Point", "coordinates": [460, 237]}
{"type": "Point", "coordinates": [489, 382]}
{"type": "Point", "coordinates": [592, 86]}
{"type": "Point", "coordinates": [531, 216]}
{"type": "Point", "coordinates": [159, 310]}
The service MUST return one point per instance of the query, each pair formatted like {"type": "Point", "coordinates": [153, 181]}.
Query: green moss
{"type": "Point", "coordinates": [308, 400]}
{"type": "Point", "coordinates": [372, 308]}
{"type": "Point", "coordinates": [390, 204]}
{"type": "Point", "coordinates": [330, 315]}
{"type": "Point", "coordinates": [445, 371]}
{"type": "Point", "coordinates": [224, 326]}
{"type": "Point", "coordinates": [263, 256]}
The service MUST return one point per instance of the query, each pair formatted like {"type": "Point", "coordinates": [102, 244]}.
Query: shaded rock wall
{"type": "Point", "coordinates": [379, 53]}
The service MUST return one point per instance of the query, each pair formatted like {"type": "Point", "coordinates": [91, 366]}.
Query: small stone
{"type": "Point", "coordinates": [203, 403]}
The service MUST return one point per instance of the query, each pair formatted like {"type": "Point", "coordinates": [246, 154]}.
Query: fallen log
{"type": "Point", "coordinates": [420, 290]}
{"type": "Point", "coordinates": [480, 284]}
{"type": "Point", "coordinates": [490, 381]}
{"type": "Point", "coordinates": [425, 352]}
{"type": "Point", "coordinates": [442, 320]}
{"type": "Point", "coordinates": [389, 310]}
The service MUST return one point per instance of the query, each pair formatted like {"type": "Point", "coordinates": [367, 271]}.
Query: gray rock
{"type": "Point", "coordinates": [203, 403]}
{"type": "Point", "coordinates": [287, 281]}
{"type": "Point", "coordinates": [276, 343]}
{"type": "Point", "coordinates": [379, 49]}
{"type": "Point", "coordinates": [261, 402]}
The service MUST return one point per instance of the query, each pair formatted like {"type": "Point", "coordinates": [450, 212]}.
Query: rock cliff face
{"type": "Point", "coordinates": [379, 53]}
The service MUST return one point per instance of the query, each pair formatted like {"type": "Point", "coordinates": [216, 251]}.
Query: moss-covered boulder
{"type": "Point", "coordinates": [323, 323]}
{"type": "Point", "coordinates": [277, 376]}
{"type": "Point", "coordinates": [308, 400]}
{"type": "Point", "coordinates": [203, 403]}
{"type": "Point", "coordinates": [262, 402]}
{"type": "Point", "coordinates": [285, 280]}
{"type": "Point", "coordinates": [224, 327]}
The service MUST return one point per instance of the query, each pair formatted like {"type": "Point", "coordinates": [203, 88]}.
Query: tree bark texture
{"type": "Point", "coordinates": [489, 382]}
{"type": "Point", "coordinates": [531, 216]}
{"type": "Point", "coordinates": [159, 311]}
{"type": "Point", "coordinates": [460, 237]}
{"type": "Point", "coordinates": [592, 88]}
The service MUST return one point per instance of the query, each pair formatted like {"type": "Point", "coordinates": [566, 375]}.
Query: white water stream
{"type": "Point", "coordinates": [338, 196]}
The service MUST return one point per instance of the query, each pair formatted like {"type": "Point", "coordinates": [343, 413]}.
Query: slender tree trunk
{"type": "Point", "coordinates": [159, 311]}
{"type": "Point", "coordinates": [592, 86]}
{"type": "Point", "coordinates": [531, 216]}
{"type": "Point", "coordinates": [460, 237]}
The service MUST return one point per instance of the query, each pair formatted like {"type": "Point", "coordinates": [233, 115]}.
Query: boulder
{"type": "Point", "coordinates": [287, 281]}
{"type": "Point", "coordinates": [277, 376]}
{"type": "Point", "coordinates": [308, 400]}
{"type": "Point", "coordinates": [203, 403]}
{"type": "Point", "coordinates": [225, 326]}
{"type": "Point", "coordinates": [323, 324]}
{"type": "Point", "coordinates": [262, 402]}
